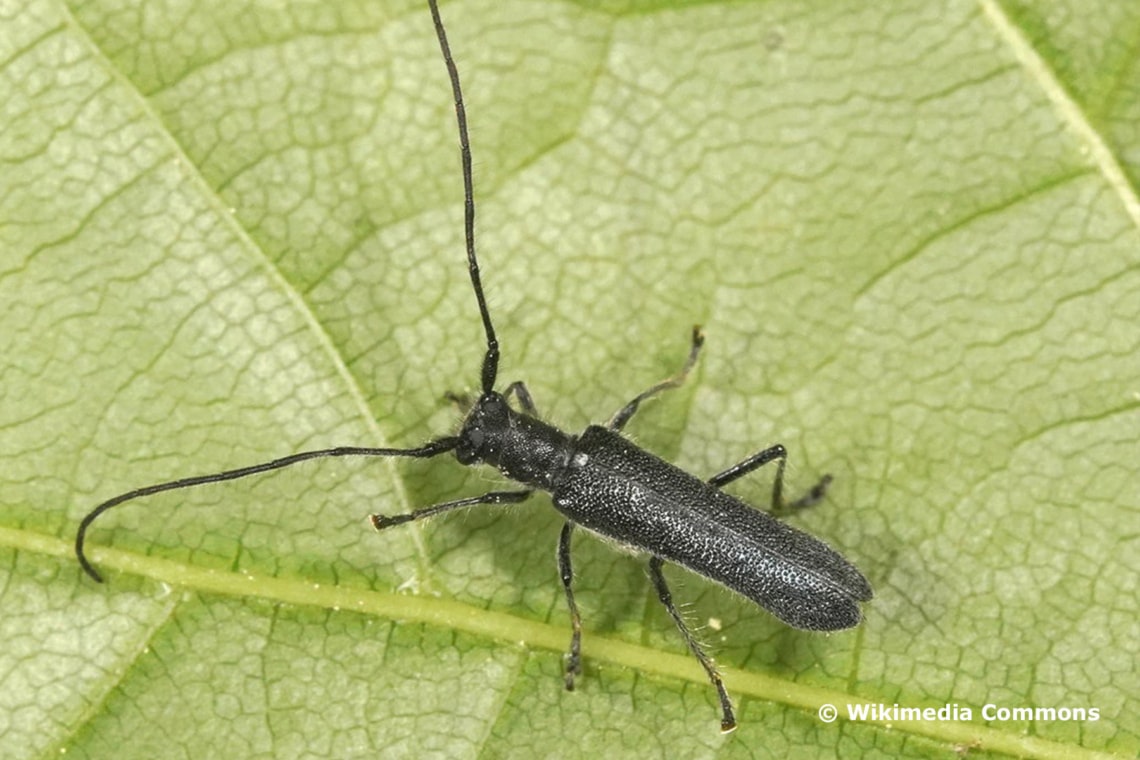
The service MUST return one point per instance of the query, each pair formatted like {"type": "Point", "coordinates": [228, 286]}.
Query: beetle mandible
{"type": "Point", "coordinates": [601, 481]}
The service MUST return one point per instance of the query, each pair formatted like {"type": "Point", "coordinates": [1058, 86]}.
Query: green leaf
{"type": "Point", "coordinates": [232, 231]}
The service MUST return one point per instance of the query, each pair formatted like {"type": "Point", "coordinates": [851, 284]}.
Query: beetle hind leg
{"type": "Point", "coordinates": [728, 717]}
{"type": "Point", "coordinates": [761, 458]}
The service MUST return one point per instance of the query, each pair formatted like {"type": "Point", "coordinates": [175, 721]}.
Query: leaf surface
{"type": "Point", "coordinates": [233, 231]}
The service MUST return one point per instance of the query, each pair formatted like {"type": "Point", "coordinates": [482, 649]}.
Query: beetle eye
{"type": "Point", "coordinates": [471, 442]}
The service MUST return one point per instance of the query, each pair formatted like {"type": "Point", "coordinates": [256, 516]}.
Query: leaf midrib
{"type": "Point", "coordinates": [514, 630]}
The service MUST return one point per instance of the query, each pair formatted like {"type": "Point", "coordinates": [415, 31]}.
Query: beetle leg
{"type": "Point", "coordinates": [518, 388]}
{"type": "Point", "coordinates": [761, 458]}
{"type": "Point", "coordinates": [617, 422]}
{"type": "Point", "coordinates": [461, 400]}
{"type": "Point", "coordinates": [380, 522]}
{"type": "Point", "coordinates": [574, 656]}
{"type": "Point", "coordinates": [728, 718]}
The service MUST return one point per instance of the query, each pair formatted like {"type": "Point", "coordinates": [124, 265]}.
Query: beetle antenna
{"type": "Point", "coordinates": [491, 359]}
{"type": "Point", "coordinates": [428, 450]}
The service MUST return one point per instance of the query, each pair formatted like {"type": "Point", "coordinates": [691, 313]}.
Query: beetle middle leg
{"type": "Point", "coordinates": [761, 458]}
{"type": "Point", "coordinates": [728, 718]}
{"type": "Point", "coordinates": [566, 573]}
{"type": "Point", "coordinates": [617, 422]}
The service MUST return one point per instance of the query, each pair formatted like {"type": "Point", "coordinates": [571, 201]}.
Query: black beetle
{"type": "Point", "coordinates": [606, 484]}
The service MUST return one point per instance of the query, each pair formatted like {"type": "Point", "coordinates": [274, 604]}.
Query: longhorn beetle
{"type": "Point", "coordinates": [606, 484]}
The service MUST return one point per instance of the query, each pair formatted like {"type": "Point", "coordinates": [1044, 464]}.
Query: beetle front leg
{"type": "Point", "coordinates": [381, 522]}
{"type": "Point", "coordinates": [526, 401]}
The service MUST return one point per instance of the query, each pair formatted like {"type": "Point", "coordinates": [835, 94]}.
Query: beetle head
{"type": "Point", "coordinates": [481, 435]}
